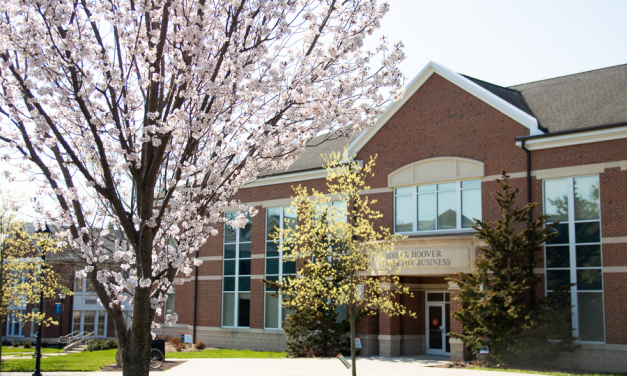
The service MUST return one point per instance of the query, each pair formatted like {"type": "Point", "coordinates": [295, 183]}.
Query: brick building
{"type": "Point", "coordinates": [563, 141]}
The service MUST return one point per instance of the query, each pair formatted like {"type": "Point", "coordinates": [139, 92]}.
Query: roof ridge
{"type": "Point", "coordinates": [566, 75]}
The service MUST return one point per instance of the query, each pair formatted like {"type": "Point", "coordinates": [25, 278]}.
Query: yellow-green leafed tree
{"type": "Point", "coordinates": [23, 273]}
{"type": "Point", "coordinates": [344, 257]}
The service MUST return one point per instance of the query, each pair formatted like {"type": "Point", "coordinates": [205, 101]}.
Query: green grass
{"type": "Point", "coordinates": [550, 373]}
{"type": "Point", "coordinates": [44, 350]}
{"type": "Point", "coordinates": [84, 361]}
{"type": "Point", "coordinates": [225, 353]}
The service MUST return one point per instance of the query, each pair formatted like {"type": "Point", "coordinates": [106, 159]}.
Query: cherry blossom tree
{"type": "Point", "coordinates": [142, 119]}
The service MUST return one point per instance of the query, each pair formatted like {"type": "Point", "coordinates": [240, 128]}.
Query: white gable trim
{"type": "Point", "coordinates": [498, 103]}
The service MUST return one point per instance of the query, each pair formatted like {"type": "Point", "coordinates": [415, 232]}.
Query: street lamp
{"type": "Point", "coordinates": [62, 297]}
{"type": "Point", "coordinates": [41, 304]}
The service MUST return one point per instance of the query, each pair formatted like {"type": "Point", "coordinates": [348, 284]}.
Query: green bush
{"type": "Point", "coordinates": [27, 345]}
{"type": "Point", "coordinates": [97, 344]}
{"type": "Point", "coordinates": [44, 344]}
{"type": "Point", "coordinates": [17, 344]}
{"type": "Point", "coordinates": [111, 344]}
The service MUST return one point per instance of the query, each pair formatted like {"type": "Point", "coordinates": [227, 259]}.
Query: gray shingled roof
{"type": "Point", "coordinates": [581, 100]}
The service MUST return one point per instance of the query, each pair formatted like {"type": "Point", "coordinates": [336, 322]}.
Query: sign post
{"type": "Point", "coordinates": [343, 360]}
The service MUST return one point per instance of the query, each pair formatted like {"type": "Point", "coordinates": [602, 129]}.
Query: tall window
{"type": "Point", "coordinates": [574, 254]}
{"type": "Point", "coordinates": [434, 207]}
{"type": "Point", "coordinates": [169, 304]}
{"type": "Point", "coordinates": [276, 268]}
{"type": "Point", "coordinates": [236, 279]}
{"type": "Point", "coordinates": [15, 324]}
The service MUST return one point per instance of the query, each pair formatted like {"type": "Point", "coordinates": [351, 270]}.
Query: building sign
{"type": "Point", "coordinates": [57, 308]}
{"type": "Point", "coordinates": [186, 338]}
{"type": "Point", "coordinates": [357, 343]}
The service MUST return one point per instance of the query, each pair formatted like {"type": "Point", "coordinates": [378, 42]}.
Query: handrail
{"type": "Point", "coordinates": [76, 338]}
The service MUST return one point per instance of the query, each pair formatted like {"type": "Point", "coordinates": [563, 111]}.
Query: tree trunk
{"type": "Point", "coordinates": [353, 355]}
{"type": "Point", "coordinates": [136, 348]}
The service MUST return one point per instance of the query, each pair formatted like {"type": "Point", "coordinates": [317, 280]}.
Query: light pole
{"type": "Point", "coordinates": [62, 297]}
{"type": "Point", "coordinates": [41, 305]}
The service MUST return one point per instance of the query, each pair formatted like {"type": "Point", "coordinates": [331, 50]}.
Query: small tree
{"type": "Point", "coordinates": [336, 237]}
{"type": "Point", "coordinates": [499, 313]}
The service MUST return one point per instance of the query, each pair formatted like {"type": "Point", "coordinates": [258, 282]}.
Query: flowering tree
{"type": "Point", "coordinates": [149, 116]}
{"type": "Point", "coordinates": [347, 259]}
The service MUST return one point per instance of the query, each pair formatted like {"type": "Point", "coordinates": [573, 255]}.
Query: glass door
{"type": "Point", "coordinates": [438, 326]}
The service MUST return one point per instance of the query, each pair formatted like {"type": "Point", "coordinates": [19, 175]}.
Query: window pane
{"type": "Point", "coordinates": [246, 232]}
{"type": "Point", "coordinates": [76, 325]}
{"type": "Point", "coordinates": [404, 214]}
{"type": "Point", "coordinates": [404, 191]}
{"type": "Point", "coordinates": [447, 186]}
{"type": "Point", "coordinates": [471, 206]}
{"type": "Point", "coordinates": [244, 250]}
{"type": "Point", "coordinates": [426, 188]}
{"type": "Point", "coordinates": [228, 310]}
{"type": "Point", "coordinates": [229, 267]}
{"type": "Point", "coordinates": [272, 312]}
{"type": "Point", "coordinates": [285, 311]}
{"type": "Point", "coordinates": [591, 320]}
{"type": "Point", "coordinates": [101, 322]}
{"type": "Point", "coordinates": [557, 257]}
{"type": "Point", "coordinates": [229, 251]}
{"type": "Point", "coordinates": [435, 297]}
{"type": "Point", "coordinates": [273, 220]}
{"type": "Point", "coordinates": [272, 266]}
{"type": "Point", "coordinates": [78, 285]}
{"type": "Point", "coordinates": [244, 267]}
{"type": "Point", "coordinates": [272, 249]}
{"type": "Point", "coordinates": [273, 278]}
{"type": "Point", "coordinates": [447, 210]}
{"type": "Point", "coordinates": [289, 217]}
{"type": "Point", "coordinates": [587, 198]}
{"type": "Point", "coordinates": [229, 283]}
{"type": "Point", "coordinates": [340, 212]}
{"type": "Point", "coordinates": [243, 284]}
{"type": "Point", "coordinates": [588, 255]}
{"type": "Point", "coordinates": [289, 267]}
{"type": "Point", "coordinates": [556, 199]}
{"type": "Point", "coordinates": [471, 184]}
{"type": "Point", "coordinates": [589, 279]}
{"type": "Point", "coordinates": [561, 236]}
{"type": "Point", "coordinates": [587, 232]}
{"type": "Point", "coordinates": [243, 310]}
{"type": "Point", "coordinates": [230, 234]}
{"type": "Point", "coordinates": [557, 278]}
{"type": "Point", "coordinates": [89, 319]}
{"type": "Point", "coordinates": [426, 212]}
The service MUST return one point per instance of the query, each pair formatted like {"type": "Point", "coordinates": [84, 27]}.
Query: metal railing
{"type": "Point", "coordinates": [75, 339]}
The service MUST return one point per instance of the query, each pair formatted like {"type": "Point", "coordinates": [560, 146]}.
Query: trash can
{"type": "Point", "coordinates": [159, 344]}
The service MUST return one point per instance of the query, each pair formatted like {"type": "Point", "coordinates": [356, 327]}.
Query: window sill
{"type": "Point", "coordinates": [464, 231]}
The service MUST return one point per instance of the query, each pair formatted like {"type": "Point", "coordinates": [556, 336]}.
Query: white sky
{"type": "Point", "coordinates": [509, 42]}
{"type": "Point", "coordinates": [504, 42]}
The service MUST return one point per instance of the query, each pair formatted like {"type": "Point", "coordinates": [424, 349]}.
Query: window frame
{"type": "Point", "coordinates": [12, 319]}
{"type": "Point", "coordinates": [572, 245]}
{"type": "Point", "coordinates": [458, 194]}
{"type": "Point", "coordinates": [236, 291]}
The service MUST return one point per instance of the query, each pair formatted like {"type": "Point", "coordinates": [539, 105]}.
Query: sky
{"type": "Point", "coordinates": [504, 42]}
{"type": "Point", "coordinates": [509, 42]}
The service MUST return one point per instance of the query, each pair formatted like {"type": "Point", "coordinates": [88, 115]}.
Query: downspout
{"type": "Point", "coordinates": [195, 301]}
{"type": "Point", "coordinates": [522, 144]}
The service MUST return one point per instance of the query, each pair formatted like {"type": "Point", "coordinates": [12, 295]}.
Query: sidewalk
{"type": "Point", "coordinates": [366, 366]}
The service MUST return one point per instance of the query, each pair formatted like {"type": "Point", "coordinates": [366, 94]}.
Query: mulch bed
{"type": "Point", "coordinates": [166, 366]}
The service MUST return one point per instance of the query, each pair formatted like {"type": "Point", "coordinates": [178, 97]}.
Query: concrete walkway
{"type": "Point", "coordinates": [366, 366]}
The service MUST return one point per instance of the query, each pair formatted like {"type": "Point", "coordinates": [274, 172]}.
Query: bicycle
{"type": "Point", "coordinates": [156, 358]}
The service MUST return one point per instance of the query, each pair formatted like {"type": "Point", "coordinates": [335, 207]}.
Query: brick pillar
{"type": "Point", "coordinates": [390, 333]}
{"type": "Point", "coordinates": [458, 350]}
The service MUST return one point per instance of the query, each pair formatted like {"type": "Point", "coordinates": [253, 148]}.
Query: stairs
{"type": "Point", "coordinates": [76, 342]}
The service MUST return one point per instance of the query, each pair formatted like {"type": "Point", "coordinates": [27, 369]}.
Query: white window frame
{"type": "Point", "coordinates": [96, 316]}
{"type": "Point", "coordinates": [11, 320]}
{"type": "Point", "coordinates": [572, 244]}
{"type": "Point", "coordinates": [236, 291]}
{"type": "Point", "coordinates": [414, 194]}
{"type": "Point", "coordinates": [280, 258]}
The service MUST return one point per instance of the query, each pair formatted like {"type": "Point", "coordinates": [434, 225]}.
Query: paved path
{"type": "Point", "coordinates": [366, 366]}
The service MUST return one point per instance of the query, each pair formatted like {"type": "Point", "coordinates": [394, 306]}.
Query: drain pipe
{"type": "Point", "coordinates": [195, 302]}
{"type": "Point", "coordinates": [522, 144]}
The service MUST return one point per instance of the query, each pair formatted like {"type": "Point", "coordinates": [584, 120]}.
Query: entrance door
{"type": "Point", "coordinates": [438, 326]}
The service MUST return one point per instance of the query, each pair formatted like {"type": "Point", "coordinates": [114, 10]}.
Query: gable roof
{"type": "Point", "coordinates": [582, 100]}
{"type": "Point", "coordinates": [469, 85]}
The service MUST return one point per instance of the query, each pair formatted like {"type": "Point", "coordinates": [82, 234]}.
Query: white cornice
{"type": "Point", "coordinates": [557, 141]}
{"type": "Point", "coordinates": [498, 103]}
{"type": "Point", "coordinates": [288, 178]}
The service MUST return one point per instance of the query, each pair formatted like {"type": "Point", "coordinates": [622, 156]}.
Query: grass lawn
{"type": "Point", "coordinates": [84, 361]}
{"type": "Point", "coordinates": [225, 353]}
{"type": "Point", "coordinates": [44, 350]}
{"type": "Point", "coordinates": [551, 373]}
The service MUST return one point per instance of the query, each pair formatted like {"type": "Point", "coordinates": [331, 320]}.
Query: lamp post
{"type": "Point", "coordinates": [62, 297]}
{"type": "Point", "coordinates": [41, 306]}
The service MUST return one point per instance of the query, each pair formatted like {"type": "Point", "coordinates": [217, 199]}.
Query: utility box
{"type": "Point", "coordinates": [160, 345]}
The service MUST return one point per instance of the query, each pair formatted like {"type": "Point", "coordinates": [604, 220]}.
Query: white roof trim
{"type": "Point", "coordinates": [578, 138]}
{"type": "Point", "coordinates": [498, 103]}
{"type": "Point", "coordinates": [288, 178]}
